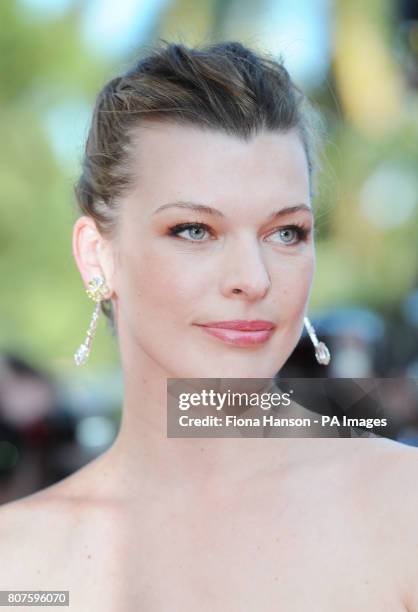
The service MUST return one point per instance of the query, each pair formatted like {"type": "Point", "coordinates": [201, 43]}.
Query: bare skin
{"type": "Point", "coordinates": [322, 530]}
{"type": "Point", "coordinates": [219, 524]}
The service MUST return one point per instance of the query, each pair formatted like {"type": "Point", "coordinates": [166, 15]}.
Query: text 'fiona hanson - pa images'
{"type": "Point", "coordinates": [288, 407]}
{"type": "Point", "coordinates": [231, 420]}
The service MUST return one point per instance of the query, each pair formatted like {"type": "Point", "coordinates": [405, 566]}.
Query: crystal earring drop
{"type": "Point", "coordinates": [97, 291]}
{"type": "Point", "coordinates": [322, 353]}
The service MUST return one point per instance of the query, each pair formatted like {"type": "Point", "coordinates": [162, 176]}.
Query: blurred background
{"type": "Point", "coordinates": [357, 60]}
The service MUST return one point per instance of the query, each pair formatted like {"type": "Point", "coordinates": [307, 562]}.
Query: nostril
{"type": "Point", "coordinates": [236, 291]}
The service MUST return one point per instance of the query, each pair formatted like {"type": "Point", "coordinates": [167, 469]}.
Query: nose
{"type": "Point", "coordinates": [244, 273]}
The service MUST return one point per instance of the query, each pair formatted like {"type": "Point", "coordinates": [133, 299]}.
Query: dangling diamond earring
{"type": "Point", "coordinates": [322, 353]}
{"type": "Point", "coordinates": [97, 291]}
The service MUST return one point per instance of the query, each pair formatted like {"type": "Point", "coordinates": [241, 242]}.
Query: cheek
{"type": "Point", "coordinates": [293, 282]}
{"type": "Point", "coordinates": [168, 284]}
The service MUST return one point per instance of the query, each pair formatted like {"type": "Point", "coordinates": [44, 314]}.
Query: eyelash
{"type": "Point", "coordinates": [302, 232]}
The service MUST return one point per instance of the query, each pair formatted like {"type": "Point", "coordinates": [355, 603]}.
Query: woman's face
{"type": "Point", "coordinates": [204, 236]}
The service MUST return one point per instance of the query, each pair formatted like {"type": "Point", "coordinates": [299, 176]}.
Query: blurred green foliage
{"type": "Point", "coordinates": [44, 311]}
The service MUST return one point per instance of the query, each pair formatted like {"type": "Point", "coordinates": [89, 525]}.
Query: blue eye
{"type": "Point", "coordinates": [292, 234]}
{"type": "Point", "coordinates": [288, 234]}
{"type": "Point", "coordinates": [200, 232]}
{"type": "Point", "coordinates": [195, 231]}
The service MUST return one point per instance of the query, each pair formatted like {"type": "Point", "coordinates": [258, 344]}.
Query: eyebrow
{"type": "Point", "coordinates": [202, 208]}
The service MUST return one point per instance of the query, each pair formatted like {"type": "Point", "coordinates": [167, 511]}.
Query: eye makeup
{"type": "Point", "coordinates": [301, 232]}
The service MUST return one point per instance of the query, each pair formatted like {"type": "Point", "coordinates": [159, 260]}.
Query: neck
{"type": "Point", "coordinates": [145, 452]}
{"type": "Point", "coordinates": [148, 463]}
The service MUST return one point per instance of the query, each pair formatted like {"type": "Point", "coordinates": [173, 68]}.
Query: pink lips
{"type": "Point", "coordinates": [239, 332]}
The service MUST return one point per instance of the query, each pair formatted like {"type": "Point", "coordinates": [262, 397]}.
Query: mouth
{"type": "Point", "coordinates": [239, 332]}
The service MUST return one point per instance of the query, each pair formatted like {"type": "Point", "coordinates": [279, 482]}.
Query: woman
{"type": "Point", "coordinates": [196, 201]}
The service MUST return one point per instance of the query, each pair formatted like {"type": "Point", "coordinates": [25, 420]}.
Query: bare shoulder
{"type": "Point", "coordinates": [398, 488]}
{"type": "Point", "coordinates": [36, 527]}
{"type": "Point", "coordinates": [53, 534]}
{"type": "Point", "coordinates": [391, 467]}
{"type": "Point", "coordinates": [384, 471]}
{"type": "Point", "coordinates": [32, 532]}
{"type": "Point", "coordinates": [388, 495]}
{"type": "Point", "coordinates": [376, 479]}
{"type": "Point", "coordinates": [54, 542]}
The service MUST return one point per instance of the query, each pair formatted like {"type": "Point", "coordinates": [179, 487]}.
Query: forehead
{"type": "Point", "coordinates": [177, 161]}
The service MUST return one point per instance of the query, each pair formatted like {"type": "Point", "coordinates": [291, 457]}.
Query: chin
{"type": "Point", "coordinates": [230, 370]}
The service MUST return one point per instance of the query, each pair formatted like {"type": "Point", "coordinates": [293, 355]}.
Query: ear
{"type": "Point", "coordinates": [93, 254]}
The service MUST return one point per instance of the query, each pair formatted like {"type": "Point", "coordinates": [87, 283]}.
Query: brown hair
{"type": "Point", "coordinates": [223, 86]}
